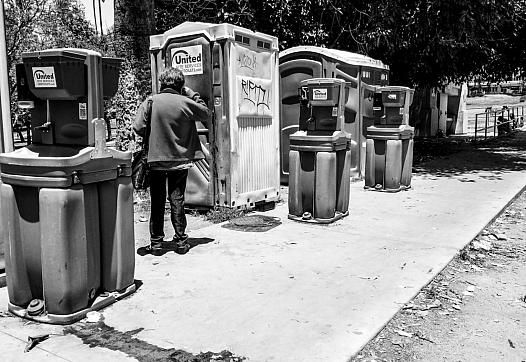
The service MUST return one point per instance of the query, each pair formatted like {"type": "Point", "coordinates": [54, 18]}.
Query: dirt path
{"type": "Point", "coordinates": [474, 310]}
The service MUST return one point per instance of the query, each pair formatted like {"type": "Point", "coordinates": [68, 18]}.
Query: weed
{"type": "Point", "coordinates": [219, 214]}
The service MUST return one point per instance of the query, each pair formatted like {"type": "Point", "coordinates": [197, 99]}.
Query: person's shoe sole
{"type": "Point", "coordinates": [183, 249]}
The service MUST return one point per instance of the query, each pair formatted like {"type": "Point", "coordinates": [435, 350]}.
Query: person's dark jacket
{"type": "Point", "coordinates": [173, 133]}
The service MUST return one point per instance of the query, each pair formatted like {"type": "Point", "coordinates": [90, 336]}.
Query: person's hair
{"type": "Point", "coordinates": [172, 78]}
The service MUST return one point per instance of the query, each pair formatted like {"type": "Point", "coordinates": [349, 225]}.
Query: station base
{"type": "Point", "coordinates": [337, 216]}
{"type": "Point", "coordinates": [381, 189]}
{"type": "Point", "coordinates": [102, 301]}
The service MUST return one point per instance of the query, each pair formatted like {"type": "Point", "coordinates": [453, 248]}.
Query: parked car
{"type": "Point", "coordinates": [476, 93]}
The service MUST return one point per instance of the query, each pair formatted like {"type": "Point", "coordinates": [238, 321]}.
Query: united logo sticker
{"type": "Point", "coordinates": [319, 94]}
{"type": "Point", "coordinates": [44, 77]}
{"type": "Point", "coordinates": [189, 59]}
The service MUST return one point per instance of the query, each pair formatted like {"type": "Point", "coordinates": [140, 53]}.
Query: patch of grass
{"type": "Point", "coordinates": [141, 205]}
{"type": "Point", "coordinates": [141, 201]}
{"type": "Point", "coordinates": [219, 214]}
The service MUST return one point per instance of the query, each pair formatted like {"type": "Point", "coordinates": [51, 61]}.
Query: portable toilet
{"type": "Point", "coordinates": [235, 70]}
{"type": "Point", "coordinates": [361, 72]}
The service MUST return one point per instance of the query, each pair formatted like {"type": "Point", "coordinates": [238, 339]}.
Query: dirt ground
{"type": "Point", "coordinates": [474, 310]}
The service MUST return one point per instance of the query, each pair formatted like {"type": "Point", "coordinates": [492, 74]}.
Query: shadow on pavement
{"type": "Point", "coordinates": [489, 159]}
{"type": "Point", "coordinates": [138, 283]}
{"type": "Point", "coordinates": [193, 242]}
{"type": "Point", "coordinates": [173, 247]}
{"type": "Point", "coordinates": [101, 335]}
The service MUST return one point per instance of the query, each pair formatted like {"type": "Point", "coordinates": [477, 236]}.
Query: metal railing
{"type": "Point", "coordinates": [498, 122]}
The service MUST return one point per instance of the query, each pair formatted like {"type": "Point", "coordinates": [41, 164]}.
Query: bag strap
{"type": "Point", "coordinates": [146, 138]}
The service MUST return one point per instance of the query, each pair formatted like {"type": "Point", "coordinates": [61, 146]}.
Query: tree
{"type": "Point", "coordinates": [330, 23]}
{"type": "Point", "coordinates": [42, 24]}
{"type": "Point", "coordinates": [134, 23]}
{"type": "Point", "coordinates": [169, 14]}
{"type": "Point", "coordinates": [509, 54]}
{"type": "Point", "coordinates": [21, 20]}
{"type": "Point", "coordinates": [430, 43]}
{"type": "Point", "coordinates": [426, 42]}
{"type": "Point", "coordinates": [64, 25]}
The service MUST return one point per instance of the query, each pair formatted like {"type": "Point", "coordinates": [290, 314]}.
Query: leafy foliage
{"type": "Point", "coordinates": [294, 22]}
{"type": "Point", "coordinates": [134, 23]}
{"type": "Point", "coordinates": [329, 23]}
{"type": "Point", "coordinates": [509, 55]}
{"type": "Point", "coordinates": [429, 43]}
{"type": "Point", "coordinates": [426, 42]}
{"type": "Point", "coordinates": [169, 14]}
{"type": "Point", "coordinates": [42, 24]}
{"type": "Point", "coordinates": [66, 26]}
{"type": "Point", "coordinates": [124, 104]}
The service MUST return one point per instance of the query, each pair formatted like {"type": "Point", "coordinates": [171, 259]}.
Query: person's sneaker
{"type": "Point", "coordinates": [156, 243]}
{"type": "Point", "coordinates": [182, 243]}
{"type": "Point", "coordinates": [182, 248]}
{"type": "Point", "coordinates": [180, 239]}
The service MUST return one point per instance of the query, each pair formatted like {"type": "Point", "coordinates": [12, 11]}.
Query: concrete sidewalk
{"type": "Point", "coordinates": [303, 292]}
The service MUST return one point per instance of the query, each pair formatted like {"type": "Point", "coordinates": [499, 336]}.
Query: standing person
{"type": "Point", "coordinates": [173, 146]}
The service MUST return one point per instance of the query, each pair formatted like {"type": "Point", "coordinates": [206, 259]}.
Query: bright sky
{"type": "Point", "coordinates": [107, 12]}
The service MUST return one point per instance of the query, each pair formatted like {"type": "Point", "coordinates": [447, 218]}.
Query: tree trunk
{"type": "Point", "coordinates": [100, 19]}
{"type": "Point", "coordinates": [93, 4]}
{"type": "Point", "coordinates": [134, 23]}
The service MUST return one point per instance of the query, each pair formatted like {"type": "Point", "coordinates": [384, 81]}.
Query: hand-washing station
{"type": "Point", "coordinates": [66, 199]}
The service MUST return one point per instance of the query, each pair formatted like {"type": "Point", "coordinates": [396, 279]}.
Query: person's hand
{"type": "Point", "coordinates": [196, 97]}
{"type": "Point", "coordinates": [188, 92]}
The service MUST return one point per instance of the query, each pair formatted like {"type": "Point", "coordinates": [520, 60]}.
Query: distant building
{"type": "Point", "coordinates": [440, 111]}
{"type": "Point", "coordinates": [515, 85]}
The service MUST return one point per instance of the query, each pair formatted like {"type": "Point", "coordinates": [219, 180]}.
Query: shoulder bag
{"type": "Point", "coordinates": [140, 167]}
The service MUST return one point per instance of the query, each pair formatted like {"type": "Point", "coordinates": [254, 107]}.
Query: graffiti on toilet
{"type": "Point", "coordinates": [247, 61]}
{"type": "Point", "coordinates": [254, 96]}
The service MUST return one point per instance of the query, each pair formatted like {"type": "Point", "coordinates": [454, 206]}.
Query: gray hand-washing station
{"type": "Point", "coordinates": [66, 199]}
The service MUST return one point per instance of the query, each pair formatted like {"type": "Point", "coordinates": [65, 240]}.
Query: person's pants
{"type": "Point", "coordinates": [176, 187]}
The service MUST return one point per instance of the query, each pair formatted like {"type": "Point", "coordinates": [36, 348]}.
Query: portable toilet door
{"type": "Point", "coordinates": [235, 70]}
{"type": "Point", "coordinates": [292, 73]}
